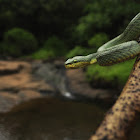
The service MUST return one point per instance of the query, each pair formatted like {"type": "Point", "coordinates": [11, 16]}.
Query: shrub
{"type": "Point", "coordinates": [43, 54]}
{"type": "Point", "coordinates": [98, 40]}
{"type": "Point", "coordinates": [78, 50]}
{"type": "Point", "coordinates": [53, 47]}
{"type": "Point", "coordinates": [18, 42]}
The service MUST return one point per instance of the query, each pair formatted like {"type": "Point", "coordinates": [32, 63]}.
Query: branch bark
{"type": "Point", "coordinates": [119, 119]}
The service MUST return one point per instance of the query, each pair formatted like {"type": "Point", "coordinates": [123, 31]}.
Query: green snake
{"type": "Point", "coordinates": [119, 49]}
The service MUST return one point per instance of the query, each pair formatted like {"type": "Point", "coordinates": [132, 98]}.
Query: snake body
{"type": "Point", "coordinates": [119, 49]}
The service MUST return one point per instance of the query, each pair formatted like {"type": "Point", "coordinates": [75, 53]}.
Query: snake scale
{"type": "Point", "coordinates": [119, 49]}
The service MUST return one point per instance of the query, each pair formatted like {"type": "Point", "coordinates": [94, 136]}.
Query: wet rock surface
{"type": "Point", "coordinates": [17, 84]}
{"type": "Point", "coordinates": [23, 80]}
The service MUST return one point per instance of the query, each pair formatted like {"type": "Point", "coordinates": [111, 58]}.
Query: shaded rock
{"type": "Point", "coordinates": [80, 86]}
{"type": "Point", "coordinates": [54, 74]}
{"type": "Point", "coordinates": [7, 101]}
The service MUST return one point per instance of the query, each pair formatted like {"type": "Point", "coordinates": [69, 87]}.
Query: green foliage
{"type": "Point", "coordinates": [118, 73]}
{"type": "Point", "coordinates": [100, 16]}
{"type": "Point", "coordinates": [98, 40]}
{"type": "Point", "coordinates": [18, 42]}
{"type": "Point", "coordinates": [78, 50]}
{"type": "Point", "coordinates": [56, 45]}
{"type": "Point", "coordinates": [73, 21]}
{"type": "Point", "coordinates": [53, 47]}
{"type": "Point", "coordinates": [43, 54]}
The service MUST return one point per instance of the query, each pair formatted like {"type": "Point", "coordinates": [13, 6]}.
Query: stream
{"type": "Point", "coordinates": [54, 119]}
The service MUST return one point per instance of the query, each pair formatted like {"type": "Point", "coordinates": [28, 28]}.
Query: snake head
{"type": "Point", "coordinates": [76, 62]}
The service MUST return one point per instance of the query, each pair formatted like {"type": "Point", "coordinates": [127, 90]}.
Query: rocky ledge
{"type": "Point", "coordinates": [22, 80]}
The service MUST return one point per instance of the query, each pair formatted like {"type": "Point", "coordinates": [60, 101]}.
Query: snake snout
{"type": "Point", "coordinates": [67, 62]}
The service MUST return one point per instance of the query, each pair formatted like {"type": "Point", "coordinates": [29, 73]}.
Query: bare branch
{"type": "Point", "coordinates": [119, 119]}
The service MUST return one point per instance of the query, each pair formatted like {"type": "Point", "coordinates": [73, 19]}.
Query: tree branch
{"type": "Point", "coordinates": [119, 119]}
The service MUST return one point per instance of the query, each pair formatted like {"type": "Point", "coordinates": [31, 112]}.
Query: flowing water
{"type": "Point", "coordinates": [53, 119]}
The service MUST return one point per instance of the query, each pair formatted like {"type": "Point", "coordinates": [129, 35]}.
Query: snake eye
{"type": "Point", "coordinates": [75, 61]}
